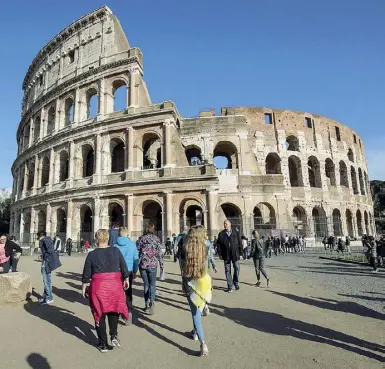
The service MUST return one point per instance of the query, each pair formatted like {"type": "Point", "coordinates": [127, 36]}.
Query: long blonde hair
{"type": "Point", "coordinates": [196, 258]}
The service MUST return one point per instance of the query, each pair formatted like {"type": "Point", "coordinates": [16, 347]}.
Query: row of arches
{"type": "Point", "coordinates": [360, 185]}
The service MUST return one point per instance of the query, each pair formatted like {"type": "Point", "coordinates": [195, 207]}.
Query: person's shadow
{"type": "Point", "coordinates": [37, 361]}
{"type": "Point", "coordinates": [277, 324]}
{"type": "Point", "coordinates": [63, 319]}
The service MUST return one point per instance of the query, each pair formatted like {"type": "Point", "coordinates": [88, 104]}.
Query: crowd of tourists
{"type": "Point", "coordinates": [374, 251]}
{"type": "Point", "coordinates": [339, 244]}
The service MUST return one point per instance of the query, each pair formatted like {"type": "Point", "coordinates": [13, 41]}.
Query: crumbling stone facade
{"type": "Point", "coordinates": [76, 172]}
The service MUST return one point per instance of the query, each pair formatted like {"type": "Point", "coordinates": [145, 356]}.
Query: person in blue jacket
{"type": "Point", "coordinates": [130, 254]}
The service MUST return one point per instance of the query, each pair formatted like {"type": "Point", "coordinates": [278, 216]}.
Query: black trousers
{"type": "Point", "coordinates": [13, 263]}
{"type": "Point", "coordinates": [128, 293]}
{"type": "Point", "coordinates": [101, 329]}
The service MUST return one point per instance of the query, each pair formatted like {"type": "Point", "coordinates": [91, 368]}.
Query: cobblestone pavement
{"type": "Point", "coordinates": [301, 321]}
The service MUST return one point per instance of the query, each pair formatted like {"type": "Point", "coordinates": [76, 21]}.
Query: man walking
{"type": "Point", "coordinates": [113, 234]}
{"type": "Point", "coordinates": [49, 262]}
{"type": "Point", "coordinates": [230, 251]}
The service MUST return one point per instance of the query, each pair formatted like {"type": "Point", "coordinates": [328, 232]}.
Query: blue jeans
{"type": "Point", "coordinates": [197, 321]}
{"type": "Point", "coordinates": [235, 279]}
{"type": "Point", "coordinates": [47, 295]}
{"type": "Point", "coordinates": [149, 282]}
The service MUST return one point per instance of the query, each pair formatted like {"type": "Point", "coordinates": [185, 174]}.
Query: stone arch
{"type": "Point", "coordinates": [61, 222]}
{"type": "Point", "coordinates": [319, 222]}
{"type": "Point", "coordinates": [92, 101]}
{"type": "Point", "coordinates": [41, 221]}
{"type": "Point", "coordinates": [359, 223]}
{"type": "Point", "coordinates": [225, 155]}
{"type": "Point", "coordinates": [69, 111]}
{"type": "Point", "coordinates": [361, 180]}
{"type": "Point", "coordinates": [51, 118]}
{"type": "Point", "coordinates": [86, 222]}
{"type": "Point", "coordinates": [351, 155]}
{"type": "Point", "coordinates": [26, 137]}
{"type": "Point", "coordinates": [292, 143]}
{"type": "Point", "coordinates": [116, 213]}
{"type": "Point", "coordinates": [295, 171]}
{"type": "Point", "coordinates": [299, 218]}
{"type": "Point", "coordinates": [354, 180]}
{"type": "Point", "coordinates": [344, 181]}
{"type": "Point", "coordinates": [36, 128]}
{"type": "Point", "coordinates": [234, 214]}
{"type": "Point", "coordinates": [349, 222]}
{"type": "Point", "coordinates": [63, 166]}
{"type": "Point", "coordinates": [139, 205]}
{"type": "Point", "coordinates": [117, 150]}
{"type": "Point", "coordinates": [120, 94]}
{"type": "Point", "coordinates": [152, 151]}
{"type": "Point", "coordinates": [192, 211]}
{"type": "Point", "coordinates": [330, 172]}
{"type": "Point", "coordinates": [45, 168]}
{"type": "Point", "coordinates": [193, 155]}
{"type": "Point", "coordinates": [366, 220]}
{"type": "Point", "coordinates": [88, 160]}
{"type": "Point", "coordinates": [273, 164]}
{"type": "Point", "coordinates": [264, 217]}
{"type": "Point", "coordinates": [152, 212]}
{"type": "Point", "coordinates": [337, 223]}
{"type": "Point", "coordinates": [314, 172]}
{"type": "Point", "coordinates": [30, 175]}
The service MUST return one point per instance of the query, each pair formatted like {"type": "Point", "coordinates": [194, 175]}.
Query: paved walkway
{"type": "Point", "coordinates": [290, 325]}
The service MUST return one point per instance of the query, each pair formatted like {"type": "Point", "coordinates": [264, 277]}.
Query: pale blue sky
{"type": "Point", "coordinates": [326, 57]}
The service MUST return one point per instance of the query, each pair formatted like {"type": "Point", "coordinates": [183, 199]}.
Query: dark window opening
{"type": "Point", "coordinates": [71, 56]}
{"type": "Point", "coordinates": [309, 122]}
{"type": "Point", "coordinates": [338, 134]}
{"type": "Point", "coordinates": [355, 139]}
{"type": "Point", "coordinates": [268, 118]}
{"type": "Point", "coordinates": [41, 80]}
{"type": "Point", "coordinates": [359, 142]}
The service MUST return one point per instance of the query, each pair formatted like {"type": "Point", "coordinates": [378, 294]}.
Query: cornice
{"type": "Point", "coordinates": [76, 26]}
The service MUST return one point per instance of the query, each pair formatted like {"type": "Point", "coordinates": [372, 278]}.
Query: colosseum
{"type": "Point", "coordinates": [84, 161]}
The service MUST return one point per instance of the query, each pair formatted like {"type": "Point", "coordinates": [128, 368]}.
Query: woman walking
{"type": "Point", "coordinates": [104, 270]}
{"type": "Point", "coordinates": [196, 281]}
{"type": "Point", "coordinates": [150, 253]}
{"type": "Point", "coordinates": [257, 253]}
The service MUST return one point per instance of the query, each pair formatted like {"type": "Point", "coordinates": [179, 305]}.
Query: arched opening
{"type": "Point", "coordinates": [44, 171]}
{"type": "Point", "coordinates": [119, 91]}
{"type": "Point", "coordinates": [319, 222]}
{"type": "Point", "coordinates": [273, 164]}
{"type": "Point", "coordinates": [63, 166]}
{"type": "Point", "coordinates": [36, 129]}
{"type": "Point", "coordinates": [299, 219]}
{"type": "Point", "coordinates": [344, 181]}
{"type": "Point", "coordinates": [41, 221]}
{"type": "Point", "coordinates": [349, 223]}
{"type": "Point", "coordinates": [152, 212]}
{"type": "Point", "coordinates": [351, 155]}
{"type": "Point", "coordinates": [26, 137]}
{"type": "Point", "coordinates": [86, 223]}
{"type": "Point", "coordinates": [116, 214]}
{"type": "Point", "coordinates": [69, 111]}
{"type": "Point", "coordinates": [61, 226]}
{"type": "Point", "coordinates": [51, 120]}
{"type": "Point", "coordinates": [314, 172]}
{"type": "Point", "coordinates": [295, 171]}
{"type": "Point", "coordinates": [359, 223]}
{"type": "Point", "coordinates": [366, 219]}
{"type": "Point", "coordinates": [264, 217]}
{"type": "Point", "coordinates": [193, 155]}
{"type": "Point", "coordinates": [27, 236]}
{"type": "Point", "coordinates": [88, 161]}
{"type": "Point", "coordinates": [361, 179]}
{"type": "Point", "coordinates": [354, 180]}
{"type": "Point", "coordinates": [330, 172]}
{"type": "Point", "coordinates": [225, 155]}
{"type": "Point", "coordinates": [292, 143]}
{"type": "Point", "coordinates": [234, 215]}
{"type": "Point", "coordinates": [194, 216]}
{"type": "Point", "coordinates": [31, 176]}
{"type": "Point", "coordinates": [367, 184]}
{"type": "Point", "coordinates": [152, 157]}
{"type": "Point", "coordinates": [92, 103]}
{"type": "Point", "coordinates": [337, 223]}
{"type": "Point", "coordinates": [117, 155]}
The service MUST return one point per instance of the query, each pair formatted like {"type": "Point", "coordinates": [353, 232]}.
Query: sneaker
{"type": "Point", "coordinates": [147, 309]}
{"type": "Point", "coordinates": [204, 350]}
{"type": "Point", "coordinates": [267, 282]}
{"type": "Point", "coordinates": [194, 335]}
{"type": "Point", "coordinates": [237, 287]}
{"type": "Point", "coordinates": [206, 311]}
{"type": "Point", "coordinates": [104, 348]}
{"type": "Point", "coordinates": [258, 284]}
{"type": "Point", "coordinates": [229, 290]}
{"type": "Point", "coordinates": [41, 300]}
{"type": "Point", "coordinates": [47, 302]}
{"type": "Point", "coordinates": [151, 310]}
{"type": "Point", "coordinates": [115, 341]}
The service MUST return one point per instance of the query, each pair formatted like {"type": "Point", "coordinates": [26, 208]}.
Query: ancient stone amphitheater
{"type": "Point", "coordinates": [85, 161]}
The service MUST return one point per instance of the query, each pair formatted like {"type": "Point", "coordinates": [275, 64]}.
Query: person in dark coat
{"type": "Point", "coordinates": [113, 234]}
{"type": "Point", "coordinates": [49, 262]}
{"type": "Point", "coordinates": [258, 255]}
{"type": "Point", "coordinates": [230, 251]}
{"type": "Point", "coordinates": [8, 250]}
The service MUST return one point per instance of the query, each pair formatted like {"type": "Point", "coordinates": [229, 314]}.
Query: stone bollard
{"type": "Point", "coordinates": [15, 287]}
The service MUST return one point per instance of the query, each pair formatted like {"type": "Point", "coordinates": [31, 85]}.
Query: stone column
{"type": "Point", "coordinates": [32, 228]}
{"type": "Point", "coordinates": [51, 169]}
{"type": "Point", "coordinates": [133, 91]}
{"type": "Point", "coordinates": [17, 224]}
{"type": "Point", "coordinates": [168, 213]}
{"type": "Point", "coordinates": [25, 179]}
{"type": "Point", "coordinates": [96, 214]}
{"type": "Point", "coordinates": [22, 230]}
{"type": "Point", "coordinates": [57, 116]}
{"type": "Point", "coordinates": [11, 224]}
{"type": "Point", "coordinates": [129, 211]}
{"type": "Point", "coordinates": [212, 199]}
{"type": "Point", "coordinates": [69, 219]}
{"type": "Point", "coordinates": [31, 132]}
{"type": "Point", "coordinates": [102, 98]}
{"type": "Point", "coordinates": [129, 148]}
{"type": "Point", "coordinates": [98, 158]}
{"type": "Point", "coordinates": [167, 160]}
{"type": "Point", "coordinates": [36, 175]}
{"type": "Point", "coordinates": [48, 220]}
{"type": "Point", "coordinates": [42, 124]}
{"type": "Point", "coordinates": [78, 107]}
{"type": "Point", "coordinates": [16, 185]}
{"type": "Point", "coordinates": [71, 164]}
